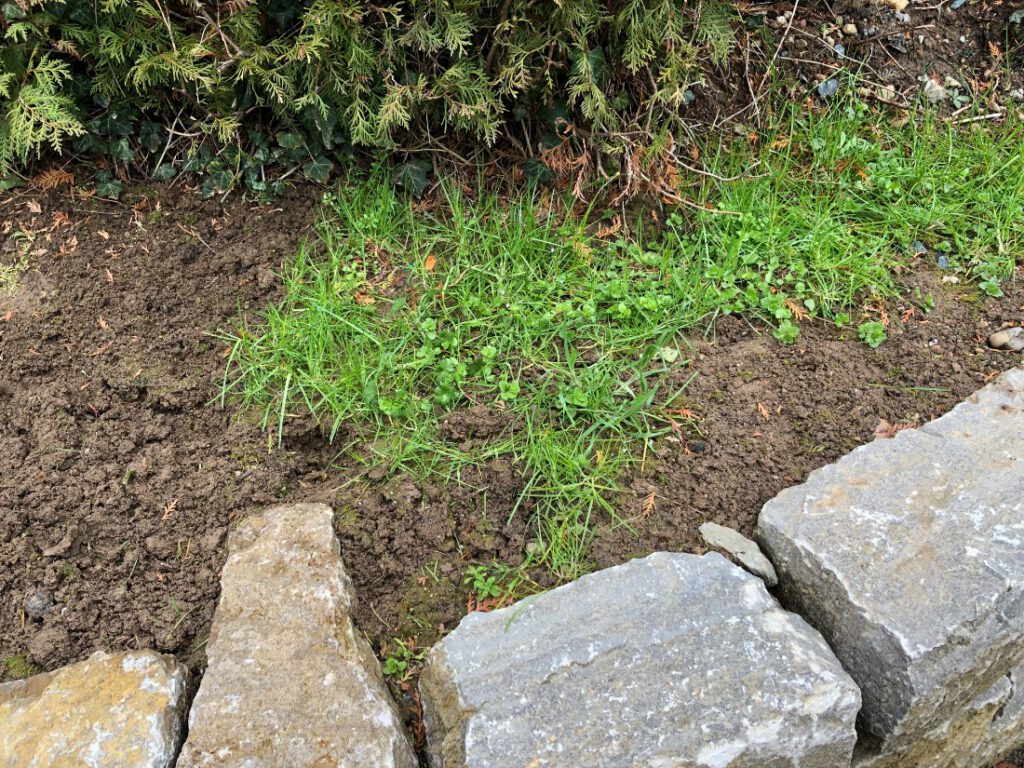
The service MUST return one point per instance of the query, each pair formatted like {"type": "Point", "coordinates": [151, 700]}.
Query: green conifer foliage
{"type": "Point", "coordinates": [347, 72]}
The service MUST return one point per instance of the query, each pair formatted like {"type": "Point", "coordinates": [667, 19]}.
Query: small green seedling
{"type": "Point", "coordinates": [872, 334]}
{"type": "Point", "coordinates": [483, 584]}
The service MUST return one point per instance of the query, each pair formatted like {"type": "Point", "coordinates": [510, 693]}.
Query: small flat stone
{"type": "Point", "coordinates": [740, 549]}
{"type": "Point", "coordinates": [122, 710]}
{"type": "Point", "coordinates": [671, 660]}
{"type": "Point", "coordinates": [290, 682]}
{"type": "Point", "coordinates": [908, 555]}
{"type": "Point", "coordinates": [1000, 339]}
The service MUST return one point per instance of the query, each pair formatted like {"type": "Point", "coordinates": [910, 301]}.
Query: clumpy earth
{"type": "Point", "coordinates": [120, 474]}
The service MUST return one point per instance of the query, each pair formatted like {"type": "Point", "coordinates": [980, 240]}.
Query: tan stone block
{"type": "Point", "coordinates": [120, 710]}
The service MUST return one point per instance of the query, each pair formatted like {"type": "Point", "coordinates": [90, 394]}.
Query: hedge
{"type": "Point", "coordinates": [166, 85]}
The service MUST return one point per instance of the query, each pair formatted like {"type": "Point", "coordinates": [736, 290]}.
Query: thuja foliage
{"type": "Point", "coordinates": [304, 82]}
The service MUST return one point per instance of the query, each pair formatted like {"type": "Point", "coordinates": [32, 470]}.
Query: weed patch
{"type": "Point", "coordinates": [394, 318]}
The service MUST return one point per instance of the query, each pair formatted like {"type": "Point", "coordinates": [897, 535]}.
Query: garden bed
{"type": "Point", "coordinates": [120, 475]}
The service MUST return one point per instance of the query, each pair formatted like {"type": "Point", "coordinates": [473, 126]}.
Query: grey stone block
{"type": "Point", "coordinates": [908, 555]}
{"type": "Point", "coordinates": [672, 661]}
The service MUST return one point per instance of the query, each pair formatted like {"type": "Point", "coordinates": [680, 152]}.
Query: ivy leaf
{"type": "Point", "coordinates": [411, 176]}
{"type": "Point", "coordinates": [599, 66]}
{"type": "Point", "coordinates": [164, 172]}
{"type": "Point", "coordinates": [318, 169]}
{"type": "Point", "coordinates": [114, 123]}
{"type": "Point", "coordinates": [289, 139]}
{"type": "Point", "coordinates": [12, 11]}
{"type": "Point", "coordinates": [107, 186]}
{"type": "Point", "coordinates": [121, 150]}
{"type": "Point", "coordinates": [221, 179]}
{"type": "Point", "coordinates": [538, 172]}
{"type": "Point", "coordinates": [151, 136]}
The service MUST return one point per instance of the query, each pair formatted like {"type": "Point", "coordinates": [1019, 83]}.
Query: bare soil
{"type": "Point", "coordinates": [120, 474]}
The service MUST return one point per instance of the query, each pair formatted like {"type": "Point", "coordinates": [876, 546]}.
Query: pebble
{"type": "Point", "coordinates": [1011, 339]}
{"type": "Point", "coordinates": [534, 547]}
{"type": "Point", "coordinates": [899, 5]}
{"type": "Point", "coordinates": [933, 91]}
{"type": "Point", "coordinates": [38, 604]}
{"type": "Point", "coordinates": [886, 93]}
{"type": "Point", "coordinates": [828, 89]}
{"type": "Point", "coordinates": [850, 29]}
{"type": "Point", "coordinates": [741, 549]}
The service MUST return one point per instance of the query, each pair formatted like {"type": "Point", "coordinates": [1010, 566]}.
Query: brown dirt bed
{"type": "Point", "coordinates": [119, 479]}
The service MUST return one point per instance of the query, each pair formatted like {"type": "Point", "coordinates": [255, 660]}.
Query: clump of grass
{"type": "Point", "coordinates": [10, 274]}
{"type": "Point", "coordinates": [836, 200]}
{"type": "Point", "coordinates": [391, 318]}
{"type": "Point", "coordinates": [17, 667]}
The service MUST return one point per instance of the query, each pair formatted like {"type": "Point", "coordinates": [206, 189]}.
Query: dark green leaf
{"type": "Point", "coordinates": [12, 11]}
{"type": "Point", "coordinates": [114, 123]}
{"type": "Point", "coordinates": [318, 170]}
{"type": "Point", "coordinates": [289, 140]}
{"type": "Point", "coordinates": [537, 172]}
{"type": "Point", "coordinates": [164, 172]}
{"type": "Point", "coordinates": [221, 178]}
{"type": "Point", "coordinates": [107, 186]}
{"type": "Point", "coordinates": [411, 176]}
{"type": "Point", "coordinates": [151, 136]}
{"type": "Point", "coordinates": [121, 150]}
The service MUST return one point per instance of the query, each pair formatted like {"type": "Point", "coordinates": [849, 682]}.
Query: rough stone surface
{"type": "Point", "coordinates": [969, 740]}
{"type": "Point", "coordinates": [741, 549]}
{"type": "Point", "coordinates": [672, 661]}
{"type": "Point", "coordinates": [290, 682]}
{"type": "Point", "coordinates": [908, 555]}
{"type": "Point", "coordinates": [1006, 732]}
{"type": "Point", "coordinates": [122, 710]}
